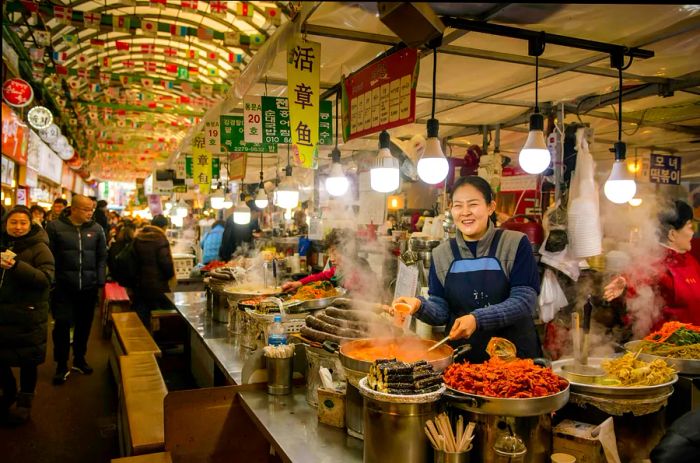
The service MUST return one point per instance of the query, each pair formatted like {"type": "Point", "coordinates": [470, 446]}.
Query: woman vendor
{"type": "Point", "coordinates": [344, 268]}
{"type": "Point", "coordinates": [678, 278]}
{"type": "Point", "coordinates": [484, 282]}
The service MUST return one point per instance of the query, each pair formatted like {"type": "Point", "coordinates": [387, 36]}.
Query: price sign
{"type": "Point", "coordinates": [212, 136]}
{"type": "Point", "coordinates": [665, 169]}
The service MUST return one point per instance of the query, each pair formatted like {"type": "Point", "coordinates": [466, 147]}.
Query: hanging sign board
{"type": "Point", "coordinates": [232, 137]}
{"type": "Point", "coordinates": [237, 166]}
{"type": "Point", "coordinates": [275, 121]}
{"type": "Point", "coordinates": [201, 164]}
{"type": "Point", "coordinates": [17, 92]}
{"type": "Point", "coordinates": [381, 96]}
{"type": "Point", "coordinates": [213, 137]}
{"type": "Point", "coordinates": [215, 164]}
{"type": "Point", "coordinates": [665, 169]}
{"type": "Point", "coordinates": [252, 120]}
{"type": "Point", "coordinates": [15, 136]}
{"type": "Point", "coordinates": [303, 88]}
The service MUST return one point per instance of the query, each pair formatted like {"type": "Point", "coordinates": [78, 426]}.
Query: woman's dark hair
{"type": "Point", "coordinates": [19, 210]}
{"type": "Point", "coordinates": [674, 218]}
{"type": "Point", "coordinates": [126, 232]}
{"type": "Point", "coordinates": [340, 237]}
{"type": "Point", "coordinates": [478, 183]}
{"type": "Point", "coordinates": [36, 207]}
{"type": "Point", "coordinates": [60, 200]}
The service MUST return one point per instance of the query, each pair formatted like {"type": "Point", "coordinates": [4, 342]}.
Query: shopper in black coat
{"type": "Point", "coordinates": [157, 271]}
{"type": "Point", "coordinates": [25, 280]}
{"type": "Point", "coordinates": [79, 247]}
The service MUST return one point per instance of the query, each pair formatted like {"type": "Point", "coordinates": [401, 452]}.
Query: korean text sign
{"type": "Point", "coordinates": [665, 169]}
{"type": "Point", "coordinates": [303, 87]}
{"type": "Point", "coordinates": [201, 164]}
{"type": "Point", "coordinates": [381, 96]}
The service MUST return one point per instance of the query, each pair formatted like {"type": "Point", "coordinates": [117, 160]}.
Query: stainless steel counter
{"type": "Point", "coordinates": [222, 346]}
{"type": "Point", "coordinates": [289, 423]}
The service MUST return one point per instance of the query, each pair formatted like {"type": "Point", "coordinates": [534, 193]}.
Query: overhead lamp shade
{"type": "Point", "coordinates": [337, 183]}
{"type": "Point", "coordinates": [384, 176]}
{"type": "Point", "coordinates": [635, 202]}
{"type": "Point", "coordinates": [217, 200]}
{"type": "Point", "coordinates": [228, 204]}
{"type": "Point", "coordinates": [241, 214]}
{"type": "Point", "coordinates": [535, 157]}
{"type": "Point", "coordinates": [433, 166]}
{"type": "Point", "coordinates": [287, 194]}
{"type": "Point", "coordinates": [261, 200]}
{"type": "Point", "coordinates": [620, 186]}
{"type": "Point", "coordinates": [181, 209]}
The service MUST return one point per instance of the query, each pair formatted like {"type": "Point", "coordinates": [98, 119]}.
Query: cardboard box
{"type": "Point", "coordinates": [331, 407]}
{"type": "Point", "coordinates": [574, 438]}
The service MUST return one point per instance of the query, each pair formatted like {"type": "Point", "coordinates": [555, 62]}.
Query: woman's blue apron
{"type": "Point", "coordinates": [476, 283]}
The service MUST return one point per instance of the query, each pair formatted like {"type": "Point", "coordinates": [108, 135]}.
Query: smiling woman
{"type": "Point", "coordinates": [484, 282]}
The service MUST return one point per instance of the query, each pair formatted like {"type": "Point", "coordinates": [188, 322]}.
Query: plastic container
{"type": "Point", "coordinates": [278, 333]}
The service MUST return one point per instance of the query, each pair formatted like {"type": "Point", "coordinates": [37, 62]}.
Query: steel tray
{"type": "Point", "coordinates": [324, 302]}
{"type": "Point", "coordinates": [484, 405]}
{"type": "Point", "coordinates": [683, 366]}
{"type": "Point", "coordinates": [620, 391]}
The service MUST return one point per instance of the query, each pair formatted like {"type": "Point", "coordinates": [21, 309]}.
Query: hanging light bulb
{"type": "Point", "coordinates": [336, 183]}
{"type": "Point", "coordinates": [287, 193]}
{"type": "Point", "coordinates": [620, 186]}
{"type": "Point", "coordinates": [261, 200]}
{"type": "Point", "coordinates": [384, 176]}
{"type": "Point", "coordinates": [241, 214]}
{"type": "Point", "coordinates": [217, 200]}
{"type": "Point", "coordinates": [227, 204]}
{"type": "Point", "coordinates": [288, 214]}
{"type": "Point", "coordinates": [635, 202]}
{"type": "Point", "coordinates": [181, 209]}
{"type": "Point", "coordinates": [534, 157]}
{"type": "Point", "coordinates": [433, 166]}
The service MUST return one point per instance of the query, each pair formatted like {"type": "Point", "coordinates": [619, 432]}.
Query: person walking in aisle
{"type": "Point", "coordinates": [79, 247]}
{"type": "Point", "coordinates": [157, 271]}
{"type": "Point", "coordinates": [26, 275]}
{"type": "Point", "coordinates": [58, 205]}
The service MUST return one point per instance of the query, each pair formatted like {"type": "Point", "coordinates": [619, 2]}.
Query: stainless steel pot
{"type": "Point", "coordinates": [394, 431]}
{"type": "Point", "coordinates": [508, 407]}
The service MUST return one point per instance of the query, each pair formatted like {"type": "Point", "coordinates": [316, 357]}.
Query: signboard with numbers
{"type": "Point", "coordinates": [381, 96]}
{"type": "Point", "coordinates": [252, 120]}
{"type": "Point", "coordinates": [303, 88]}
{"type": "Point", "coordinates": [275, 121]}
{"type": "Point", "coordinates": [232, 138]}
{"type": "Point", "coordinates": [212, 136]}
{"type": "Point", "coordinates": [665, 169]}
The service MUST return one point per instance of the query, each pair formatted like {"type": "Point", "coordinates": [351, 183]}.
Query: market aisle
{"type": "Point", "coordinates": [75, 422]}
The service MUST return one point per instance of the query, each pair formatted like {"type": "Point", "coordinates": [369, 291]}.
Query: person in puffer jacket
{"type": "Point", "coordinates": [157, 271]}
{"type": "Point", "coordinates": [25, 281]}
{"type": "Point", "coordinates": [79, 247]}
{"type": "Point", "coordinates": [212, 242]}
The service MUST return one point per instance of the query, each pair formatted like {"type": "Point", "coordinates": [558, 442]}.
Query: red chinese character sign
{"type": "Point", "coordinates": [17, 92]}
{"type": "Point", "coordinates": [381, 95]}
{"type": "Point", "coordinates": [15, 136]}
{"type": "Point", "coordinates": [304, 83]}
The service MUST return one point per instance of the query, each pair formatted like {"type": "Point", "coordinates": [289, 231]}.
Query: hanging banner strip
{"type": "Point", "coordinates": [303, 87]}
{"type": "Point", "coordinates": [201, 164]}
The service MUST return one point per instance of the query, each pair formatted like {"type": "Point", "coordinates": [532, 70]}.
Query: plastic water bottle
{"type": "Point", "coordinates": [278, 335]}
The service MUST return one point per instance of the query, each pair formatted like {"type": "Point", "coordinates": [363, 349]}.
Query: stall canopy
{"type": "Point", "coordinates": [131, 107]}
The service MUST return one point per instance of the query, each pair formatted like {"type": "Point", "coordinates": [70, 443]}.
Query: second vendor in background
{"type": "Point", "coordinates": [484, 282]}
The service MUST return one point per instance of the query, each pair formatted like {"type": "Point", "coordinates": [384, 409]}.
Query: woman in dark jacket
{"type": "Point", "coordinates": [157, 271]}
{"type": "Point", "coordinates": [26, 275]}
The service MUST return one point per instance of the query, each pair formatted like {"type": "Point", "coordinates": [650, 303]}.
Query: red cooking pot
{"type": "Point", "coordinates": [528, 224]}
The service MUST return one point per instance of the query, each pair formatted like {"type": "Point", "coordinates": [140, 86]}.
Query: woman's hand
{"type": "Point", "coordinates": [291, 286]}
{"type": "Point", "coordinates": [7, 264]}
{"type": "Point", "coordinates": [412, 302]}
{"type": "Point", "coordinates": [463, 327]}
{"type": "Point", "coordinates": [615, 288]}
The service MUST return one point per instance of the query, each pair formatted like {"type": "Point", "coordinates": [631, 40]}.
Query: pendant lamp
{"type": "Point", "coordinates": [433, 166]}
{"type": "Point", "coordinates": [287, 193]}
{"type": "Point", "coordinates": [181, 209]}
{"type": "Point", "coordinates": [241, 214]}
{"type": "Point", "coordinates": [217, 200]}
{"type": "Point", "coordinates": [261, 200]}
{"type": "Point", "coordinates": [620, 186]}
{"type": "Point", "coordinates": [534, 156]}
{"type": "Point", "coordinates": [336, 183]}
{"type": "Point", "coordinates": [384, 176]}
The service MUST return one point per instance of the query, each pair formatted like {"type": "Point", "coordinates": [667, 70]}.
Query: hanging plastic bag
{"type": "Point", "coordinates": [551, 297]}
